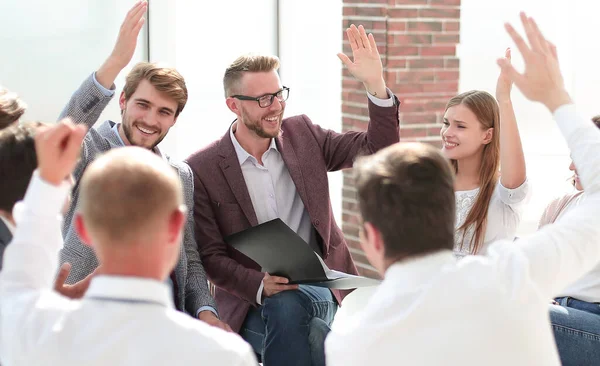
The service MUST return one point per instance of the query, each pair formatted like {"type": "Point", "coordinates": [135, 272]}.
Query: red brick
{"type": "Point", "coordinates": [411, 2]}
{"type": "Point", "coordinates": [445, 2]}
{"type": "Point", "coordinates": [416, 118]}
{"type": "Point", "coordinates": [446, 38]}
{"type": "Point", "coordinates": [446, 75]}
{"type": "Point", "coordinates": [441, 87]}
{"type": "Point", "coordinates": [451, 26]}
{"type": "Point", "coordinates": [436, 105]}
{"type": "Point", "coordinates": [412, 132]}
{"type": "Point", "coordinates": [368, 24]}
{"type": "Point", "coordinates": [379, 25]}
{"type": "Point", "coordinates": [396, 63]}
{"type": "Point", "coordinates": [426, 63]}
{"type": "Point", "coordinates": [434, 131]}
{"type": "Point", "coordinates": [452, 63]}
{"type": "Point", "coordinates": [365, 1]}
{"type": "Point", "coordinates": [415, 76]}
{"type": "Point", "coordinates": [404, 88]}
{"type": "Point", "coordinates": [371, 11]}
{"type": "Point", "coordinates": [348, 229]}
{"type": "Point", "coordinates": [410, 39]}
{"type": "Point", "coordinates": [439, 13]}
{"type": "Point", "coordinates": [355, 110]}
{"type": "Point", "coordinates": [424, 26]}
{"type": "Point", "coordinates": [438, 51]}
{"type": "Point", "coordinates": [393, 26]}
{"type": "Point", "coordinates": [403, 13]}
{"type": "Point", "coordinates": [403, 51]}
{"type": "Point", "coordinates": [351, 84]}
{"type": "Point", "coordinates": [349, 10]}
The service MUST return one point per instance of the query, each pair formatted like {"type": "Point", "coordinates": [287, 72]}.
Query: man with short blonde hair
{"type": "Point", "coordinates": [11, 108]}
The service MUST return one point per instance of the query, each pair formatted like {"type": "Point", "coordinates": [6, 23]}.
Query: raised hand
{"type": "Point", "coordinates": [504, 84]}
{"type": "Point", "coordinates": [125, 46]}
{"type": "Point", "coordinates": [367, 66]}
{"type": "Point", "coordinates": [57, 149]}
{"type": "Point", "coordinates": [542, 80]}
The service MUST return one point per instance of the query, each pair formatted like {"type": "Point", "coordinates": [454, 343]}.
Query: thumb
{"type": "Point", "coordinates": [510, 72]}
{"type": "Point", "coordinates": [345, 60]}
{"type": "Point", "coordinates": [63, 273]}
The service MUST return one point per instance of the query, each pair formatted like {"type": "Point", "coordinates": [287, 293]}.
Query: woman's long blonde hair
{"type": "Point", "coordinates": [485, 108]}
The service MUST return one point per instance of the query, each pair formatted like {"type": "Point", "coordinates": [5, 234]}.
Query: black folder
{"type": "Point", "coordinates": [281, 252]}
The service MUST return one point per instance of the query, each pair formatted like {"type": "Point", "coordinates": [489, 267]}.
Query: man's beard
{"type": "Point", "coordinates": [129, 133]}
{"type": "Point", "coordinates": [256, 127]}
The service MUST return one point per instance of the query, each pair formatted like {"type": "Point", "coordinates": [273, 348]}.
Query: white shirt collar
{"type": "Point", "coordinates": [115, 128]}
{"type": "Point", "coordinates": [129, 289]}
{"type": "Point", "coordinates": [9, 225]}
{"type": "Point", "coordinates": [242, 154]}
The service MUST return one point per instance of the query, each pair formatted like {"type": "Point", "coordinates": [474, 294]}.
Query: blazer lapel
{"type": "Point", "coordinates": [293, 165]}
{"type": "Point", "coordinates": [232, 171]}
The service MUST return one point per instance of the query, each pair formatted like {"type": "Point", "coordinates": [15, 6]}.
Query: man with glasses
{"type": "Point", "coordinates": [267, 167]}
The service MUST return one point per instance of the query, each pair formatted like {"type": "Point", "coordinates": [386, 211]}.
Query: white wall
{"type": "Point", "coordinates": [573, 29]}
{"type": "Point", "coordinates": [49, 47]}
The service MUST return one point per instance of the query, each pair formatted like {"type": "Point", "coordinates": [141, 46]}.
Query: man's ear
{"type": "Point", "coordinates": [122, 101]}
{"type": "Point", "coordinates": [373, 237]}
{"type": "Point", "coordinates": [176, 223]}
{"type": "Point", "coordinates": [82, 231]}
{"type": "Point", "coordinates": [489, 136]}
{"type": "Point", "coordinates": [233, 105]}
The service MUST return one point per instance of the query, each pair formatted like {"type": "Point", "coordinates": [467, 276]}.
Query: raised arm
{"type": "Point", "coordinates": [32, 258]}
{"type": "Point", "coordinates": [94, 94]}
{"type": "Point", "coordinates": [512, 160]}
{"type": "Point", "coordinates": [559, 253]}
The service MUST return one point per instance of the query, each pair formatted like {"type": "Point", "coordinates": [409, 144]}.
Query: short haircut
{"type": "Point", "coordinates": [165, 79]}
{"type": "Point", "coordinates": [596, 120]}
{"type": "Point", "coordinates": [11, 108]}
{"type": "Point", "coordinates": [126, 191]}
{"type": "Point", "coordinates": [18, 161]}
{"type": "Point", "coordinates": [407, 192]}
{"type": "Point", "coordinates": [243, 64]}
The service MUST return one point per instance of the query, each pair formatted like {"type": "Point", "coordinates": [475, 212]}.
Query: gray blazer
{"type": "Point", "coordinates": [85, 107]}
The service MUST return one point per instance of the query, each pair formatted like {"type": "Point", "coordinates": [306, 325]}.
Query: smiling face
{"type": "Point", "coordinates": [262, 122]}
{"type": "Point", "coordinates": [463, 135]}
{"type": "Point", "coordinates": [147, 115]}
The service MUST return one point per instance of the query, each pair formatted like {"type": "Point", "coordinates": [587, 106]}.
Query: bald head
{"type": "Point", "coordinates": [128, 194]}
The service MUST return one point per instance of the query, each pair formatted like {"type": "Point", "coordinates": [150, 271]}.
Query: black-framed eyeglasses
{"type": "Point", "coordinates": [266, 100]}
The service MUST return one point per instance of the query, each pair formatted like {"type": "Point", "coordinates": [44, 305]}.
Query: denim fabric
{"type": "Point", "coordinates": [576, 326]}
{"type": "Point", "coordinates": [290, 327]}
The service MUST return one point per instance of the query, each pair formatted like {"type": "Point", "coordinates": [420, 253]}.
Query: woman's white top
{"type": "Point", "coordinates": [503, 218]}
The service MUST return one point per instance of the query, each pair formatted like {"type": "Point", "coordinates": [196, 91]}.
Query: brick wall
{"type": "Point", "coordinates": [417, 40]}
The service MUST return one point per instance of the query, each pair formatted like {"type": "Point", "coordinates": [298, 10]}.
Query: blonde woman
{"type": "Point", "coordinates": [480, 137]}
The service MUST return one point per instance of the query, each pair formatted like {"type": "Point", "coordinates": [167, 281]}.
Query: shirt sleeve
{"type": "Point", "coordinates": [389, 102]}
{"type": "Point", "coordinates": [106, 92]}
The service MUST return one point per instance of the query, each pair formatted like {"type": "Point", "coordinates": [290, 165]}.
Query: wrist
{"type": "Point", "coordinates": [206, 314]}
{"type": "Point", "coordinates": [50, 178]}
{"type": "Point", "coordinates": [376, 88]}
{"type": "Point", "coordinates": [557, 100]}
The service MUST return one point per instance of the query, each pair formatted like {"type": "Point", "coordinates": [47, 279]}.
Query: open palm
{"type": "Point", "coordinates": [366, 65]}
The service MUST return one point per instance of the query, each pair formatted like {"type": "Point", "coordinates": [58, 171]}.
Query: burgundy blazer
{"type": "Point", "coordinates": [222, 204]}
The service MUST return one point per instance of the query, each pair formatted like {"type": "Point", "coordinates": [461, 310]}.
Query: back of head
{"type": "Point", "coordinates": [11, 108]}
{"type": "Point", "coordinates": [486, 109]}
{"type": "Point", "coordinates": [407, 192]}
{"type": "Point", "coordinates": [127, 195]}
{"type": "Point", "coordinates": [17, 162]}
{"type": "Point", "coordinates": [243, 64]}
{"type": "Point", "coordinates": [166, 80]}
{"type": "Point", "coordinates": [596, 120]}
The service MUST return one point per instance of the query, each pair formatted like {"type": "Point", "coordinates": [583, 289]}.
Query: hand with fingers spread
{"type": "Point", "coordinates": [504, 84]}
{"type": "Point", "coordinates": [366, 65]}
{"type": "Point", "coordinates": [275, 284]}
{"type": "Point", "coordinates": [74, 291]}
{"type": "Point", "coordinates": [125, 46]}
{"type": "Point", "coordinates": [542, 80]}
{"type": "Point", "coordinates": [57, 150]}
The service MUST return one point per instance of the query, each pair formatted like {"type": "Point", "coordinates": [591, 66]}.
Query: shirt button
{"type": "Point", "coordinates": [316, 222]}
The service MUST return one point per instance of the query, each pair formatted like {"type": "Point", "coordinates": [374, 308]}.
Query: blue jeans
{"type": "Point", "coordinates": [576, 326]}
{"type": "Point", "coordinates": [290, 327]}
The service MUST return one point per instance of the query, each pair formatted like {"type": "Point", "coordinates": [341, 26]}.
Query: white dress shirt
{"type": "Point", "coordinates": [272, 190]}
{"type": "Point", "coordinates": [482, 310]}
{"type": "Point", "coordinates": [586, 288]}
{"type": "Point", "coordinates": [120, 320]}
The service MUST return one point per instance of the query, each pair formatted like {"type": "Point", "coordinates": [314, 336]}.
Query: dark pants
{"type": "Point", "coordinates": [290, 327]}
